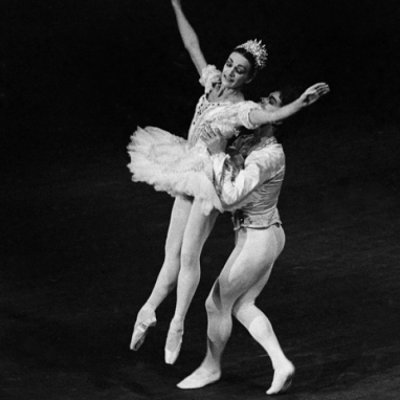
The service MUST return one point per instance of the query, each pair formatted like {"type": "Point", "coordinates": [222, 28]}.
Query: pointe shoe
{"type": "Point", "coordinates": [140, 330]}
{"type": "Point", "coordinates": [282, 380]}
{"type": "Point", "coordinates": [170, 356]}
{"type": "Point", "coordinates": [199, 379]}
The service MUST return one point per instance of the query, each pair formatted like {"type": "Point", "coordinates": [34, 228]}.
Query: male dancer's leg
{"type": "Point", "coordinates": [210, 371]}
{"type": "Point", "coordinates": [260, 327]}
{"type": "Point", "coordinates": [251, 266]}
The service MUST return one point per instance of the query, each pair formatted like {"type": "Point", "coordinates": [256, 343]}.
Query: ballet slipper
{"type": "Point", "coordinates": [282, 379]}
{"type": "Point", "coordinates": [173, 345]}
{"type": "Point", "coordinates": [141, 327]}
{"type": "Point", "coordinates": [199, 378]}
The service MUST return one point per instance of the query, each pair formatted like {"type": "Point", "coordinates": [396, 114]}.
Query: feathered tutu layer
{"type": "Point", "coordinates": [168, 163]}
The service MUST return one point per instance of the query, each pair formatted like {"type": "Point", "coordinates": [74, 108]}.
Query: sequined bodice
{"type": "Point", "coordinates": [205, 112]}
{"type": "Point", "coordinates": [224, 115]}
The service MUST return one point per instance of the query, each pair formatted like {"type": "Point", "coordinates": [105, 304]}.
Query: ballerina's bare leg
{"type": "Point", "coordinates": [168, 275]}
{"type": "Point", "coordinates": [240, 282]}
{"type": "Point", "coordinates": [198, 228]}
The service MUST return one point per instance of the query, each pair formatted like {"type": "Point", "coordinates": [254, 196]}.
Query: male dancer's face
{"type": "Point", "coordinates": [272, 102]}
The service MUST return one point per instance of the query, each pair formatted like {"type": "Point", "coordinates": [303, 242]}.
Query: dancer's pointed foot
{"type": "Point", "coordinates": [174, 343]}
{"type": "Point", "coordinates": [146, 319]}
{"type": "Point", "coordinates": [282, 379]}
{"type": "Point", "coordinates": [199, 378]}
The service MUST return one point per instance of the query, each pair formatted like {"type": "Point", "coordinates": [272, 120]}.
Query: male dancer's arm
{"type": "Point", "coordinates": [234, 186]}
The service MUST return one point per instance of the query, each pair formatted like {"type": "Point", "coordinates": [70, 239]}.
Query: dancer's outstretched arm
{"type": "Point", "coordinates": [310, 96]}
{"type": "Point", "coordinates": [189, 37]}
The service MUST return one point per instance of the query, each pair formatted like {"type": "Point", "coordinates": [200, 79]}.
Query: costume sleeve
{"type": "Point", "coordinates": [233, 187]}
{"type": "Point", "coordinates": [243, 112]}
{"type": "Point", "coordinates": [233, 118]}
{"type": "Point", "coordinates": [209, 76]}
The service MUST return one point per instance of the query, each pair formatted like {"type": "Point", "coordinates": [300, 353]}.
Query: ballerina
{"type": "Point", "coordinates": [184, 169]}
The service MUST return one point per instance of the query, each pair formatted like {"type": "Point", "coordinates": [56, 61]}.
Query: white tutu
{"type": "Point", "coordinates": [171, 165]}
{"type": "Point", "coordinates": [168, 163]}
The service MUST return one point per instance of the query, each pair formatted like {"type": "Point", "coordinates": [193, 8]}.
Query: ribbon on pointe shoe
{"type": "Point", "coordinates": [174, 336]}
{"type": "Point", "coordinates": [140, 332]}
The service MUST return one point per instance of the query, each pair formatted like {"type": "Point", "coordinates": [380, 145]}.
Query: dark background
{"type": "Point", "coordinates": [82, 244]}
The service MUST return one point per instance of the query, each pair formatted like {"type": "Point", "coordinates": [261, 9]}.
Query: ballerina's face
{"type": "Point", "coordinates": [236, 71]}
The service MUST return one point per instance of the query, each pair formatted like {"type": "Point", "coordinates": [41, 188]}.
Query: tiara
{"type": "Point", "coordinates": [258, 50]}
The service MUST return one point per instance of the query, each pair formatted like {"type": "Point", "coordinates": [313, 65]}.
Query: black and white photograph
{"type": "Point", "coordinates": [200, 200]}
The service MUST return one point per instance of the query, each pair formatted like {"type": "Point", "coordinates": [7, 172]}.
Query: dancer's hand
{"type": "Point", "coordinates": [313, 93]}
{"type": "Point", "coordinates": [213, 139]}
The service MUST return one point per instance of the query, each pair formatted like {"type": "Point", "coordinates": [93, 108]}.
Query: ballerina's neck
{"type": "Point", "coordinates": [221, 93]}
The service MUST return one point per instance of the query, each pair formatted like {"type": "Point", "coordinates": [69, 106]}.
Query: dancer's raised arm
{"type": "Point", "coordinates": [189, 37]}
{"type": "Point", "coordinates": [310, 96]}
